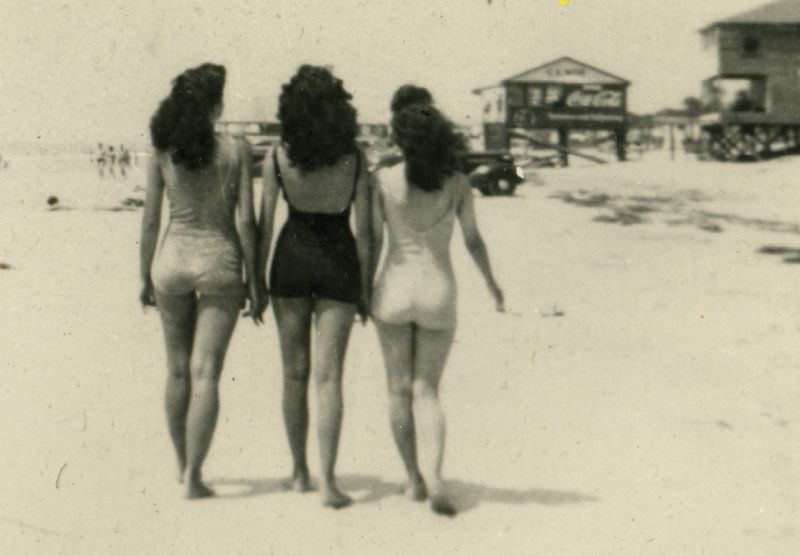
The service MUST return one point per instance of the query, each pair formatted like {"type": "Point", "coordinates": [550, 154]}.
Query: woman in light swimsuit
{"type": "Point", "coordinates": [195, 280]}
{"type": "Point", "coordinates": [414, 300]}
{"type": "Point", "coordinates": [318, 267]}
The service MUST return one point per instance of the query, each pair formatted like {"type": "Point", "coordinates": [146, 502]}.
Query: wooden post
{"type": "Point", "coordinates": [620, 140]}
{"type": "Point", "coordinates": [563, 142]}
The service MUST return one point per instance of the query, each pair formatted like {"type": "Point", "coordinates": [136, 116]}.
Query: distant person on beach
{"type": "Point", "coordinates": [319, 266]}
{"type": "Point", "coordinates": [195, 280]}
{"type": "Point", "coordinates": [414, 300]}
{"type": "Point", "coordinates": [124, 160]}
{"type": "Point", "coordinates": [100, 160]}
{"type": "Point", "coordinates": [111, 158]}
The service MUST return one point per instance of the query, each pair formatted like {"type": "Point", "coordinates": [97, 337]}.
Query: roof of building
{"type": "Point", "coordinates": [780, 12]}
{"type": "Point", "coordinates": [562, 70]}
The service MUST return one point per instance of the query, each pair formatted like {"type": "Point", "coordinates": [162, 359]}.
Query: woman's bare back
{"type": "Point", "coordinates": [326, 190]}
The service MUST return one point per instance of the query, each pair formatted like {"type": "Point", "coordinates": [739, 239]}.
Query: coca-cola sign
{"type": "Point", "coordinates": [557, 105]}
{"type": "Point", "coordinates": [603, 98]}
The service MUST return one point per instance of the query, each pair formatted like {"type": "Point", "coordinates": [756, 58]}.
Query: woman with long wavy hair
{"type": "Point", "coordinates": [195, 279]}
{"type": "Point", "coordinates": [414, 300]}
{"type": "Point", "coordinates": [319, 267]}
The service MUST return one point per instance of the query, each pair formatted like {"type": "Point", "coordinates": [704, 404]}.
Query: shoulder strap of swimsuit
{"type": "Point", "coordinates": [277, 171]}
{"type": "Point", "coordinates": [357, 175]}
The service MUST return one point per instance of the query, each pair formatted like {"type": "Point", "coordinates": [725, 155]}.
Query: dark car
{"type": "Point", "coordinates": [491, 172]}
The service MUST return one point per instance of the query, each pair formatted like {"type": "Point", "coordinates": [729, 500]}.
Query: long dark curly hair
{"type": "Point", "coordinates": [318, 123]}
{"type": "Point", "coordinates": [431, 146]}
{"type": "Point", "coordinates": [182, 124]}
{"type": "Point", "coordinates": [410, 94]}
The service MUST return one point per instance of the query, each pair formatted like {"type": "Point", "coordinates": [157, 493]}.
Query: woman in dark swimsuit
{"type": "Point", "coordinates": [318, 267]}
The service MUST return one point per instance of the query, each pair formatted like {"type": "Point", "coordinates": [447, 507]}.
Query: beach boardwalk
{"type": "Point", "coordinates": [563, 95]}
{"type": "Point", "coordinates": [753, 95]}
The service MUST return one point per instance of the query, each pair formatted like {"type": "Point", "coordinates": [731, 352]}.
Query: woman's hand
{"type": "Point", "coordinates": [147, 296]}
{"type": "Point", "coordinates": [499, 300]}
{"type": "Point", "coordinates": [256, 304]}
{"type": "Point", "coordinates": [364, 308]}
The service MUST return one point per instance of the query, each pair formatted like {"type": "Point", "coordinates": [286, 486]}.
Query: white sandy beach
{"type": "Point", "coordinates": [641, 396]}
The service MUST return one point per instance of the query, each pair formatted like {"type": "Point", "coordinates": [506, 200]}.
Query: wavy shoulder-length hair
{"type": "Point", "coordinates": [182, 124]}
{"type": "Point", "coordinates": [431, 146]}
{"type": "Point", "coordinates": [318, 123]}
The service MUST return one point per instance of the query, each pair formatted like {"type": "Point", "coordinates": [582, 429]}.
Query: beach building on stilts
{"type": "Point", "coordinates": [753, 93]}
{"type": "Point", "coordinates": [564, 95]}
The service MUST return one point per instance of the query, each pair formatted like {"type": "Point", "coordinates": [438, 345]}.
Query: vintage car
{"type": "Point", "coordinates": [490, 172]}
{"type": "Point", "coordinates": [493, 172]}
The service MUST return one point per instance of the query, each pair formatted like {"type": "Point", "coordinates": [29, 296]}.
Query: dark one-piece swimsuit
{"type": "Point", "coordinates": [315, 255]}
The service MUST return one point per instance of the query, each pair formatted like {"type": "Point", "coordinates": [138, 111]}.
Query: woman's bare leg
{"type": "Point", "coordinates": [334, 320]}
{"type": "Point", "coordinates": [397, 344]}
{"type": "Point", "coordinates": [178, 321]}
{"type": "Point", "coordinates": [293, 317]}
{"type": "Point", "coordinates": [216, 319]}
{"type": "Point", "coordinates": [431, 348]}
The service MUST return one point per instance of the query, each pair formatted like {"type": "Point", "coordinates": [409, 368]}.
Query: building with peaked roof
{"type": "Point", "coordinates": [563, 95]}
{"type": "Point", "coordinates": [564, 70]}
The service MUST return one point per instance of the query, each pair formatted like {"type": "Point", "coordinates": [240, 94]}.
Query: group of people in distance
{"type": "Point", "coordinates": [322, 274]}
{"type": "Point", "coordinates": [107, 158]}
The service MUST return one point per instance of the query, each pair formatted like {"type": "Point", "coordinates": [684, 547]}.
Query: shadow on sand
{"type": "Point", "coordinates": [468, 496]}
{"type": "Point", "coordinates": [247, 488]}
{"type": "Point", "coordinates": [363, 488]}
{"type": "Point", "coordinates": [791, 255]}
{"type": "Point", "coordinates": [368, 489]}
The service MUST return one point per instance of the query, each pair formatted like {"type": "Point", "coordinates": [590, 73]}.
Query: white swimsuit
{"type": "Point", "coordinates": [416, 283]}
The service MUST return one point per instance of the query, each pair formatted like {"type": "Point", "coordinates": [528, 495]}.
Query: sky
{"type": "Point", "coordinates": [95, 70]}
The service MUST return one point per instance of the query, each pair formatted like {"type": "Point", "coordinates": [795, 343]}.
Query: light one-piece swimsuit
{"type": "Point", "coordinates": [416, 283]}
{"type": "Point", "coordinates": [200, 251]}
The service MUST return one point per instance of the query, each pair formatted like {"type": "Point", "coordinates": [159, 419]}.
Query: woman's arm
{"type": "Point", "coordinates": [269, 200]}
{"type": "Point", "coordinates": [474, 241]}
{"type": "Point", "coordinates": [377, 219]}
{"type": "Point", "coordinates": [247, 229]}
{"type": "Point", "coordinates": [151, 223]}
{"type": "Point", "coordinates": [363, 236]}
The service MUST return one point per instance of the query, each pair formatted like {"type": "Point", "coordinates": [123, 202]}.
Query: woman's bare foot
{"type": "Point", "coordinates": [416, 490]}
{"type": "Point", "coordinates": [300, 481]}
{"type": "Point", "coordinates": [181, 470]}
{"type": "Point", "coordinates": [196, 489]}
{"type": "Point", "coordinates": [332, 497]}
{"type": "Point", "coordinates": [442, 505]}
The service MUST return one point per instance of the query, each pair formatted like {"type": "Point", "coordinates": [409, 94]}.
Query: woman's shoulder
{"type": "Point", "coordinates": [458, 186]}
{"type": "Point", "coordinates": [236, 147]}
{"type": "Point", "coordinates": [390, 178]}
{"type": "Point", "coordinates": [393, 173]}
{"type": "Point", "coordinates": [459, 181]}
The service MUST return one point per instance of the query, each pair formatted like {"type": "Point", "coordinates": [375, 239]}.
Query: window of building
{"type": "Point", "coordinates": [751, 47]}
{"type": "Point", "coordinates": [515, 95]}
